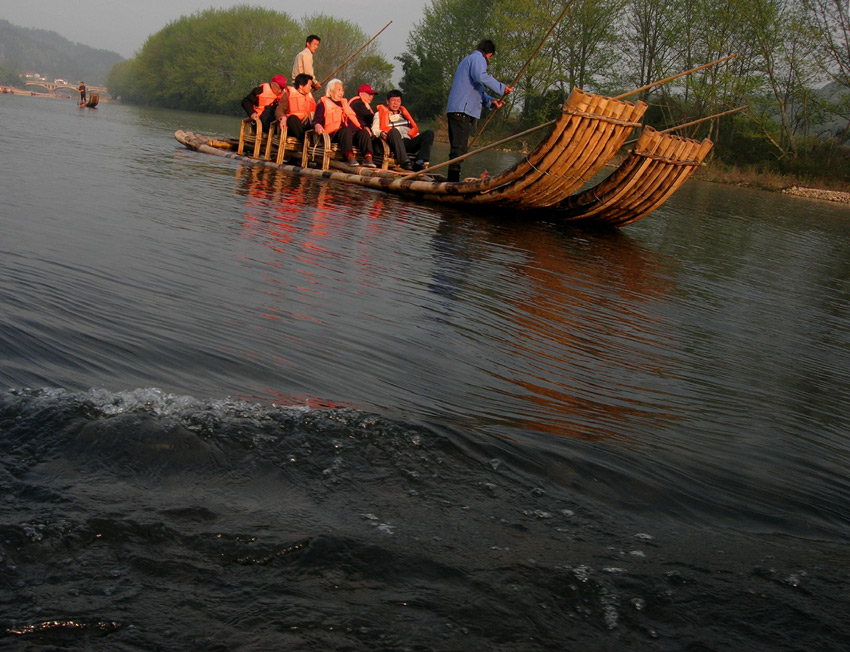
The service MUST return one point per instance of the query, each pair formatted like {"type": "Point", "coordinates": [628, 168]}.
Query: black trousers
{"type": "Point", "coordinates": [460, 124]}
{"type": "Point", "coordinates": [348, 136]}
{"type": "Point", "coordinates": [418, 147]}
{"type": "Point", "coordinates": [296, 127]}
{"type": "Point", "coordinates": [267, 116]}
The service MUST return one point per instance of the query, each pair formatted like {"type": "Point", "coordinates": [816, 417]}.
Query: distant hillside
{"type": "Point", "coordinates": [25, 50]}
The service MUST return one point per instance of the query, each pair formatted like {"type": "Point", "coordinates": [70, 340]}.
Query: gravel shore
{"type": "Point", "coordinates": [814, 193]}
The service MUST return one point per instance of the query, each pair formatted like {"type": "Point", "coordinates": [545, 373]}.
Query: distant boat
{"type": "Point", "coordinates": [94, 98]}
{"type": "Point", "coordinates": [588, 133]}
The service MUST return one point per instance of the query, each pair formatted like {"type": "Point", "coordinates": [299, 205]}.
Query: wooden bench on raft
{"type": "Point", "coordinates": [313, 149]}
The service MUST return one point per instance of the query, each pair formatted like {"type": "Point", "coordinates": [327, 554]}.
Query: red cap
{"type": "Point", "coordinates": [365, 88]}
{"type": "Point", "coordinates": [280, 80]}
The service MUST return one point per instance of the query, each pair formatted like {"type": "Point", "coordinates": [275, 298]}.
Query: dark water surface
{"type": "Point", "coordinates": [244, 411]}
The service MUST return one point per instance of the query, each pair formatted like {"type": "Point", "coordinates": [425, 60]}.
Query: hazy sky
{"type": "Point", "coordinates": [123, 26]}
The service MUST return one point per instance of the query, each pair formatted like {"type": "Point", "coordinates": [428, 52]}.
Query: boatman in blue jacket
{"type": "Point", "coordinates": [467, 96]}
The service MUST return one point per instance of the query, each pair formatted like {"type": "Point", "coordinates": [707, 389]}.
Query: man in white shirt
{"type": "Point", "coordinates": [304, 60]}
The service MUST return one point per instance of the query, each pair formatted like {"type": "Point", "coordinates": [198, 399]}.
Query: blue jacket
{"type": "Point", "coordinates": [468, 92]}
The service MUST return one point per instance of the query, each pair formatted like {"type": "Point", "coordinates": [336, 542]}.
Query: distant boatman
{"type": "Point", "coordinates": [82, 90]}
{"type": "Point", "coordinates": [467, 96]}
{"type": "Point", "coordinates": [304, 60]}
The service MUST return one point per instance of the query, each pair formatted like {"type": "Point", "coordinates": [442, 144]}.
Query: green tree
{"type": "Point", "coordinates": [587, 45]}
{"type": "Point", "coordinates": [448, 31]}
{"type": "Point", "coordinates": [424, 96]}
{"type": "Point", "coordinates": [830, 23]}
{"type": "Point", "coordinates": [120, 81]}
{"type": "Point", "coordinates": [580, 50]}
{"type": "Point", "coordinates": [210, 60]}
{"type": "Point", "coordinates": [784, 52]}
{"type": "Point", "coordinates": [650, 37]}
{"type": "Point", "coordinates": [706, 31]}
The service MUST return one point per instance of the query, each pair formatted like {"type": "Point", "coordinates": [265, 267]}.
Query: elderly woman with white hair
{"type": "Point", "coordinates": [336, 117]}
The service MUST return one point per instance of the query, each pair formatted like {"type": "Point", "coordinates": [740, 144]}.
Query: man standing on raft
{"type": "Point", "coordinates": [303, 64]}
{"type": "Point", "coordinates": [467, 96]}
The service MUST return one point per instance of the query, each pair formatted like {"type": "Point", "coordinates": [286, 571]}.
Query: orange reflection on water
{"type": "Point", "coordinates": [318, 241]}
{"type": "Point", "coordinates": [584, 334]}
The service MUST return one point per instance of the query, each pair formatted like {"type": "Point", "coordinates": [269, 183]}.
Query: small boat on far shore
{"type": "Point", "coordinates": [547, 182]}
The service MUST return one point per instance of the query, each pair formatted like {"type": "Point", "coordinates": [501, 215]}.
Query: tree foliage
{"type": "Point", "coordinates": [210, 60]}
{"type": "Point", "coordinates": [787, 50]}
{"type": "Point", "coordinates": [422, 84]}
{"type": "Point", "coordinates": [830, 29]}
{"type": "Point", "coordinates": [448, 31]}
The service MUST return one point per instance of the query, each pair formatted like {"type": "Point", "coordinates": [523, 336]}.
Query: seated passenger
{"type": "Point", "coordinates": [394, 124]}
{"type": "Point", "coordinates": [264, 99]}
{"type": "Point", "coordinates": [299, 114]}
{"type": "Point", "coordinates": [362, 106]}
{"type": "Point", "coordinates": [334, 116]}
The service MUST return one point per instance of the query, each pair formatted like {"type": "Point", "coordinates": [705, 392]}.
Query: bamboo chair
{"type": "Point", "coordinates": [250, 133]}
{"type": "Point", "coordinates": [278, 142]}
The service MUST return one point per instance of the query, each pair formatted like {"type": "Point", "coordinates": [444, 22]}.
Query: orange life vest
{"type": "Point", "coordinates": [268, 96]}
{"type": "Point", "coordinates": [336, 115]}
{"type": "Point", "coordinates": [384, 120]}
{"type": "Point", "coordinates": [301, 105]}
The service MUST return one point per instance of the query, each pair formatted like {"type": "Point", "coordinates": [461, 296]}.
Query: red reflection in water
{"type": "Point", "coordinates": [308, 228]}
{"type": "Point", "coordinates": [583, 335]}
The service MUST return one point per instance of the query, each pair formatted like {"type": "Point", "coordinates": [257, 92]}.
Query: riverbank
{"type": "Point", "coordinates": [822, 189]}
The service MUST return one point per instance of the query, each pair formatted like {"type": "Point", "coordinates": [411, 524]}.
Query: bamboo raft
{"type": "Point", "coordinates": [551, 180]}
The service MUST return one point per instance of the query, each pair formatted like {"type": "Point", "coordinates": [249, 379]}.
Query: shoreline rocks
{"type": "Point", "coordinates": [814, 193]}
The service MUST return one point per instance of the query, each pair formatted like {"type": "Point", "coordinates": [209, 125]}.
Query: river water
{"type": "Point", "coordinates": [244, 411]}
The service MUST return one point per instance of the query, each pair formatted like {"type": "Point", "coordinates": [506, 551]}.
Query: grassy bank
{"type": "Point", "coordinates": [758, 177]}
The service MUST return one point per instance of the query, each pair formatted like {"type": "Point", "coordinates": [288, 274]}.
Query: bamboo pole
{"type": "Point", "coordinates": [363, 47]}
{"type": "Point", "coordinates": [428, 170]}
{"type": "Point", "coordinates": [672, 77]}
{"type": "Point", "coordinates": [522, 70]}
{"type": "Point", "coordinates": [694, 122]}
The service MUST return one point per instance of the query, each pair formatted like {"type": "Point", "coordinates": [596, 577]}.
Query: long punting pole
{"type": "Point", "coordinates": [522, 70]}
{"type": "Point", "coordinates": [694, 122]}
{"type": "Point", "coordinates": [551, 122]}
{"type": "Point", "coordinates": [428, 170]}
{"type": "Point", "coordinates": [363, 47]}
{"type": "Point", "coordinates": [671, 78]}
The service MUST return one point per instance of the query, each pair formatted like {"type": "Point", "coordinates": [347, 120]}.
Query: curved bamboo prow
{"type": "Point", "coordinates": [658, 165]}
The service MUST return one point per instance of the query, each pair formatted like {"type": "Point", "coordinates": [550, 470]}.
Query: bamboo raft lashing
{"type": "Point", "coordinates": [586, 135]}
